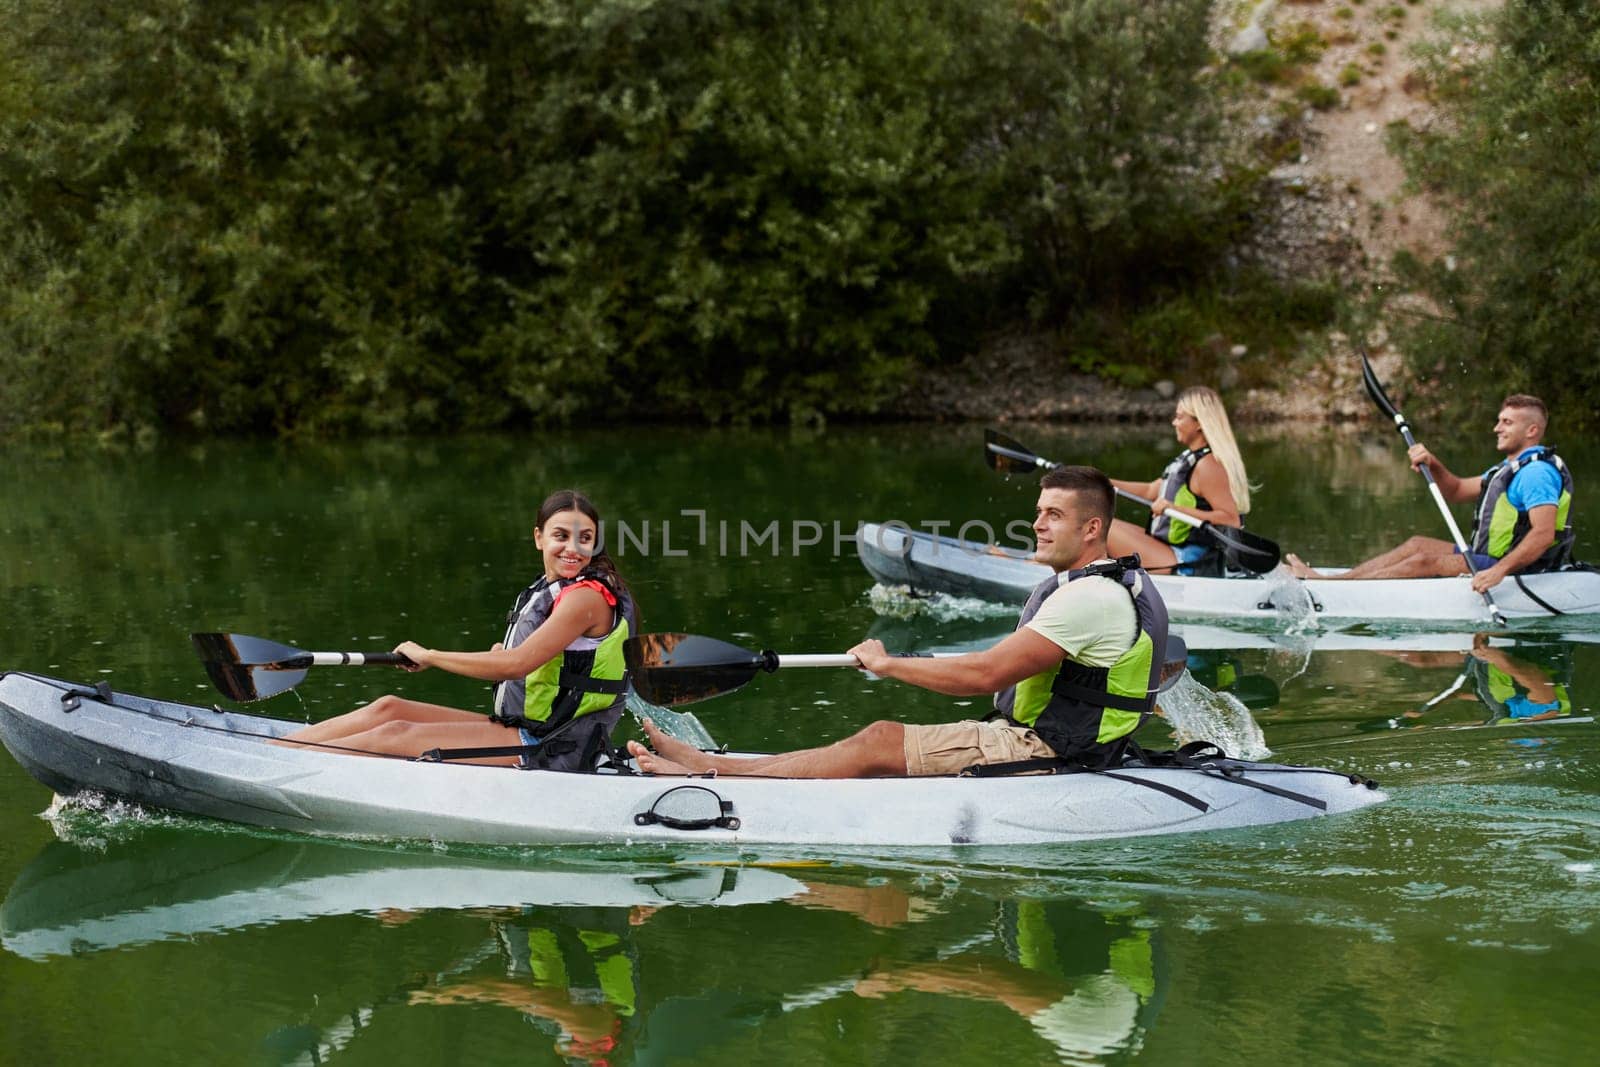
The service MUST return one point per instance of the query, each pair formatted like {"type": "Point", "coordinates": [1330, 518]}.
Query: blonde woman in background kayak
{"type": "Point", "coordinates": [1206, 480]}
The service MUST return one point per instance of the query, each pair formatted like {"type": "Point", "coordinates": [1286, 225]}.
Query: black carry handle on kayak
{"type": "Point", "coordinates": [1240, 547]}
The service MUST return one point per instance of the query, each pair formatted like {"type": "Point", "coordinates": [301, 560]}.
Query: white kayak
{"type": "Point", "coordinates": [929, 563]}
{"type": "Point", "coordinates": [208, 762]}
{"type": "Point", "coordinates": [1200, 637]}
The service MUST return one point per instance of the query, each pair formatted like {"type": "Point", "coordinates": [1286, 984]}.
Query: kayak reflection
{"type": "Point", "coordinates": [72, 901]}
{"type": "Point", "coordinates": [562, 946]}
{"type": "Point", "coordinates": [1516, 680]}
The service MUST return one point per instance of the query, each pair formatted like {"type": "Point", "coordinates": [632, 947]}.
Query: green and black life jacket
{"type": "Point", "coordinates": [1499, 526]}
{"type": "Point", "coordinates": [1175, 490]}
{"type": "Point", "coordinates": [1081, 711]}
{"type": "Point", "coordinates": [587, 679]}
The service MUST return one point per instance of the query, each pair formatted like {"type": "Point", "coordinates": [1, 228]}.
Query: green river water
{"type": "Point", "coordinates": [1456, 923]}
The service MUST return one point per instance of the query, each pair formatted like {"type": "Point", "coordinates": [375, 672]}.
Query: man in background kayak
{"type": "Point", "coordinates": [1076, 678]}
{"type": "Point", "coordinates": [1520, 523]}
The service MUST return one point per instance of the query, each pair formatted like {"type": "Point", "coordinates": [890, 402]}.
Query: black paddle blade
{"type": "Point", "coordinates": [1246, 550]}
{"type": "Point", "coordinates": [670, 669]}
{"type": "Point", "coordinates": [1369, 378]}
{"type": "Point", "coordinates": [242, 649]}
{"type": "Point", "coordinates": [1007, 455]}
{"type": "Point", "coordinates": [1174, 663]}
{"type": "Point", "coordinates": [249, 684]}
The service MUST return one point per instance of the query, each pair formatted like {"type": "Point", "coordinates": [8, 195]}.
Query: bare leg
{"type": "Point", "coordinates": [875, 752]}
{"type": "Point", "coordinates": [383, 710]}
{"type": "Point", "coordinates": [1125, 537]}
{"type": "Point", "coordinates": [1422, 565]}
{"type": "Point", "coordinates": [402, 738]}
{"type": "Point", "coordinates": [1417, 557]}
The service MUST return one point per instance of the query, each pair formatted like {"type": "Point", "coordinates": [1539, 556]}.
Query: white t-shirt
{"type": "Point", "coordinates": [1092, 620]}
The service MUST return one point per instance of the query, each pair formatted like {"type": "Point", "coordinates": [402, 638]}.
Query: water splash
{"type": "Point", "coordinates": [900, 602]}
{"type": "Point", "coordinates": [94, 820]}
{"type": "Point", "coordinates": [1296, 609]}
{"type": "Point", "coordinates": [681, 725]}
{"type": "Point", "coordinates": [1196, 713]}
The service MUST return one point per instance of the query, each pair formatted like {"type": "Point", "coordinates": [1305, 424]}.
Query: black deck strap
{"type": "Point", "coordinates": [445, 755]}
{"type": "Point", "coordinates": [1201, 750]}
{"type": "Point", "coordinates": [1053, 764]}
{"type": "Point", "coordinates": [72, 699]}
{"type": "Point", "coordinates": [617, 760]}
{"type": "Point", "coordinates": [1236, 775]}
{"type": "Point", "coordinates": [1352, 778]}
{"type": "Point", "coordinates": [1529, 593]}
{"type": "Point", "coordinates": [1057, 765]}
{"type": "Point", "coordinates": [1160, 787]}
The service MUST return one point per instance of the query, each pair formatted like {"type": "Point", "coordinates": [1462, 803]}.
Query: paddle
{"type": "Point", "coordinates": [673, 668]}
{"type": "Point", "coordinates": [248, 668]}
{"type": "Point", "coordinates": [1243, 549]}
{"type": "Point", "coordinates": [1381, 398]}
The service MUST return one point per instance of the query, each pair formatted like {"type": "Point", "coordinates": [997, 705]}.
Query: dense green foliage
{"type": "Point", "coordinates": [328, 216]}
{"type": "Point", "coordinates": [1517, 162]}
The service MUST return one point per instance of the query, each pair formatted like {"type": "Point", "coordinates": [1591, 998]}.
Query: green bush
{"type": "Point", "coordinates": [329, 216]}
{"type": "Point", "coordinates": [1321, 97]}
{"type": "Point", "coordinates": [1514, 160]}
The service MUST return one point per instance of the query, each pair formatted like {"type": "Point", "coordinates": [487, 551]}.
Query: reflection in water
{"type": "Point", "coordinates": [71, 901]}
{"type": "Point", "coordinates": [1516, 680]}
{"type": "Point", "coordinates": [568, 945]}
{"type": "Point", "coordinates": [1086, 980]}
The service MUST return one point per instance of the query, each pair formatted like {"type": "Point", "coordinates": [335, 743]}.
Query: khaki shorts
{"type": "Point", "coordinates": [952, 747]}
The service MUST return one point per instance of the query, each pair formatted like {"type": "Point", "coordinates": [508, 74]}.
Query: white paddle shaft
{"type": "Point", "coordinates": [1174, 512]}
{"type": "Point", "coordinates": [845, 659]}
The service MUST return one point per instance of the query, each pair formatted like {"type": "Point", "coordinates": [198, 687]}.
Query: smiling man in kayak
{"type": "Point", "coordinates": [1520, 523]}
{"type": "Point", "coordinates": [1073, 681]}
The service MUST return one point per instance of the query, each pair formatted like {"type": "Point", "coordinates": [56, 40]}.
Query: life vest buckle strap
{"type": "Point", "coordinates": [569, 679]}
{"type": "Point", "coordinates": [1099, 697]}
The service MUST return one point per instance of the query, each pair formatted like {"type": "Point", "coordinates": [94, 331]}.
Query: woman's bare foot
{"type": "Point", "coordinates": [679, 752]}
{"type": "Point", "coordinates": [650, 763]}
{"type": "Point", "coordinates": [1299, 567]}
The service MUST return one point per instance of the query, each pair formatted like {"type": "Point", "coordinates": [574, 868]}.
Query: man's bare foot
{"type": "Point", "coordinates": [679, 752]}
{"type": "Point", "coordinates": [650, 763]}
{"type": "Point", "coordinates": [1299, 567]}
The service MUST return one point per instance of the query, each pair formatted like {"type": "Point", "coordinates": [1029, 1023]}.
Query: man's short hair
{"type": "Point", "coordinates": [1523, 400]}
{"type": "Point", "coordinates": [1094, 490]}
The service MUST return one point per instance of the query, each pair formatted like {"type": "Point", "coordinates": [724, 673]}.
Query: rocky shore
{"type": "Point", "coordinates": [1017, 380]}
{"type": "Point", "coordinates": [1340, 210]}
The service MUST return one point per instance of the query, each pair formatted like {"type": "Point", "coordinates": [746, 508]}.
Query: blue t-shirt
{"type": "Point", "coordinates": [1535, 485]}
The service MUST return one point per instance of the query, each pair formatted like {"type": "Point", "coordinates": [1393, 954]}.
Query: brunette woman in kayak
{"type": "Point", "coordinates": [1206, 480]}
{"type": "Point", "coordinates": [560, 674]}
